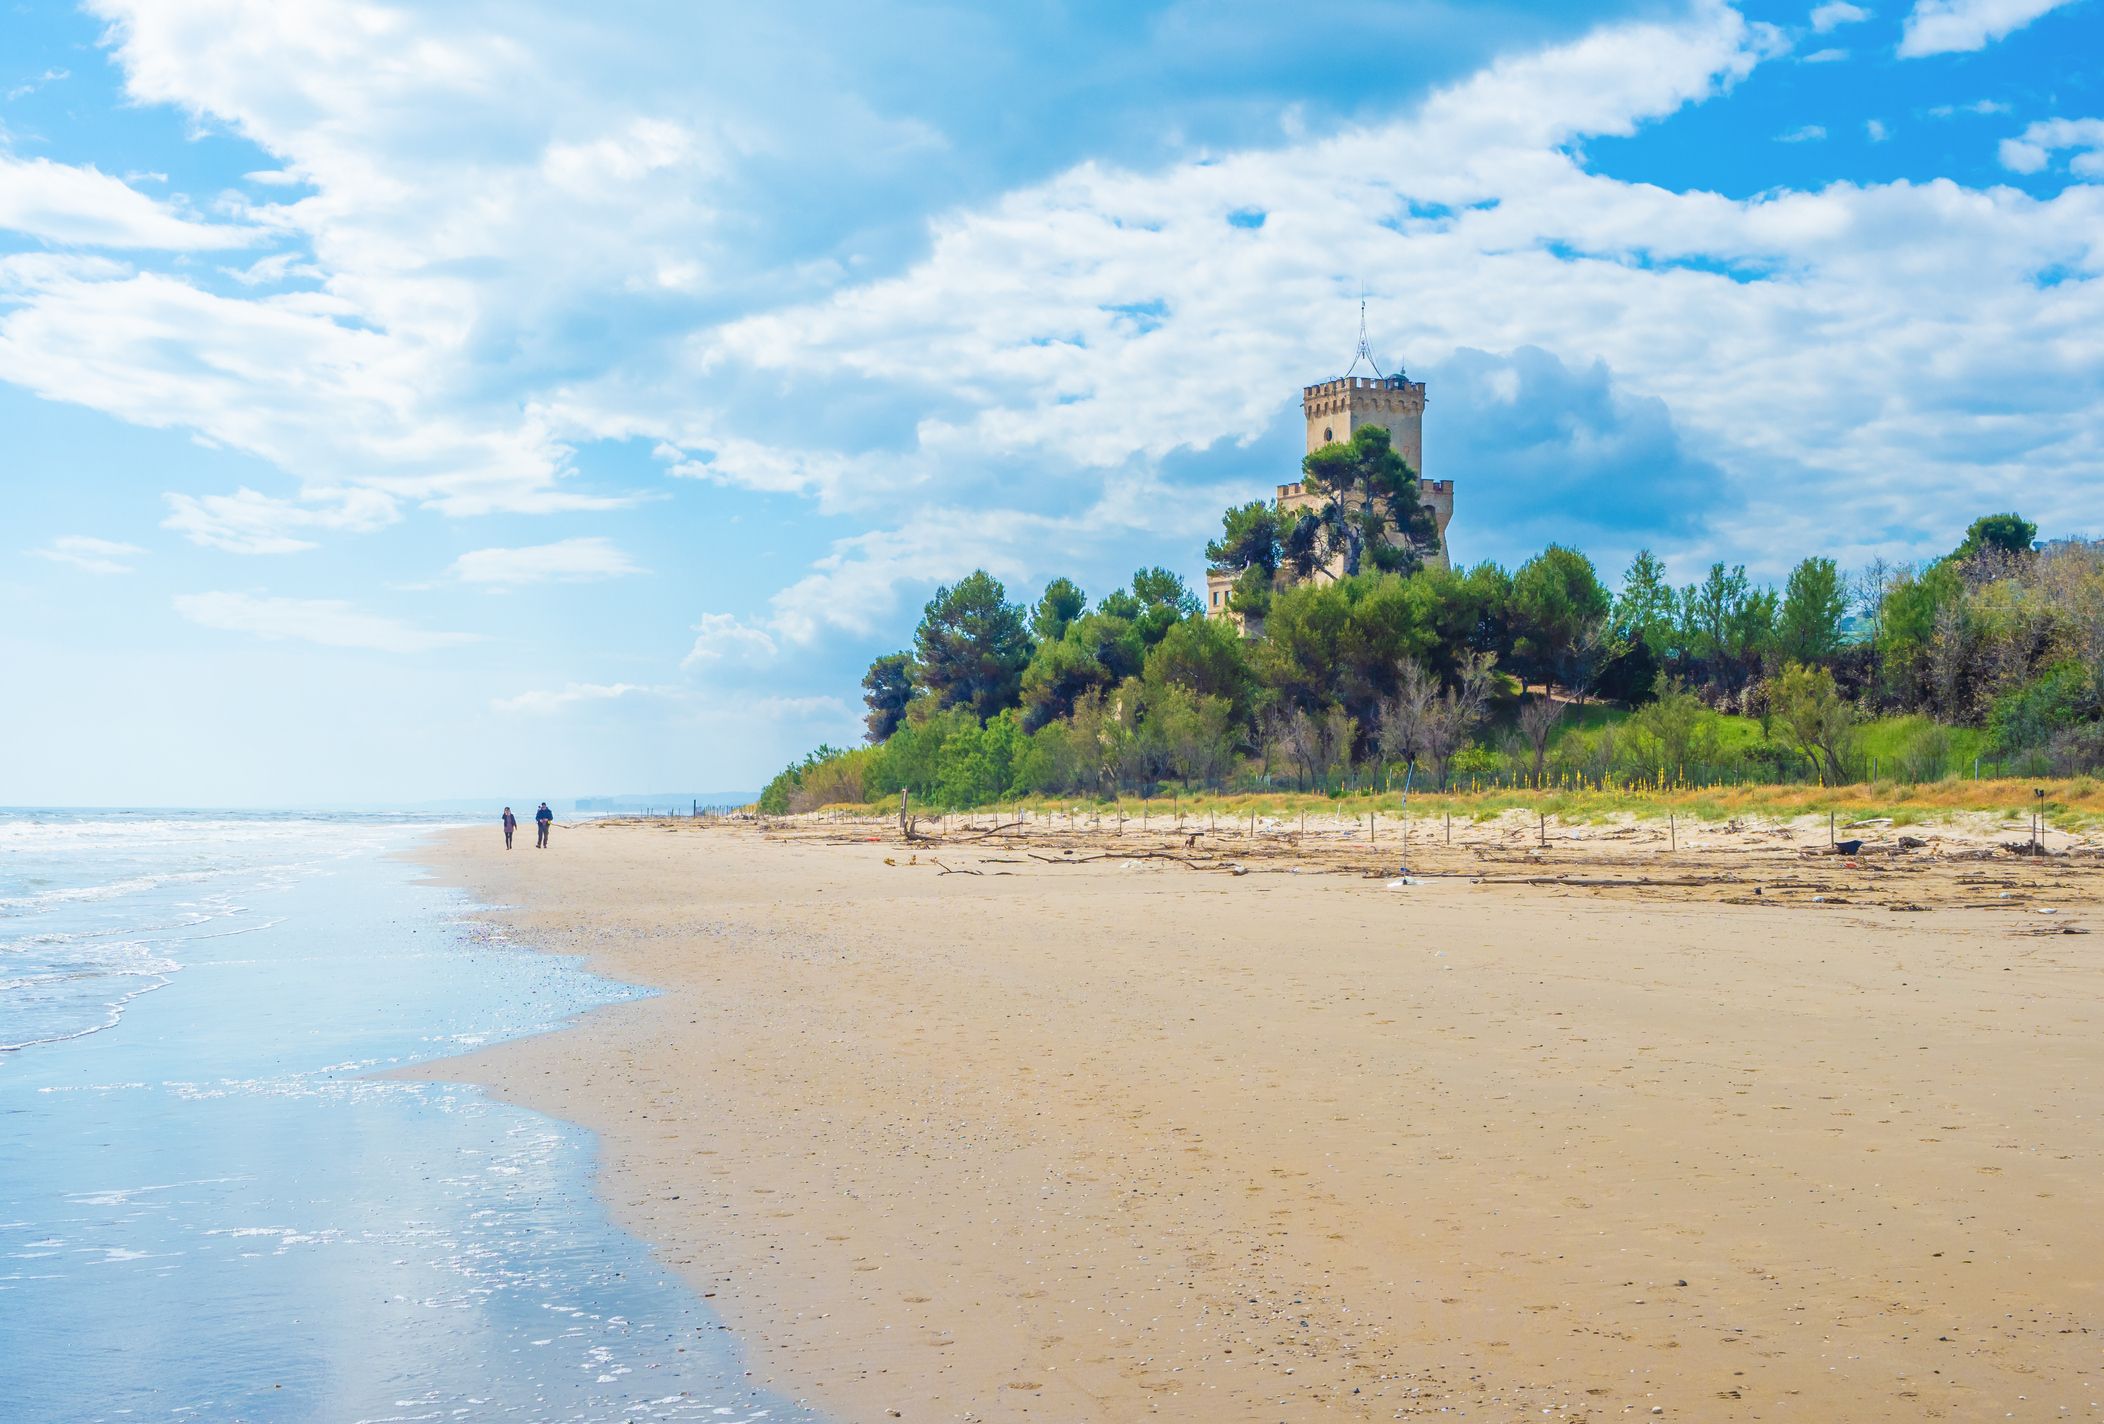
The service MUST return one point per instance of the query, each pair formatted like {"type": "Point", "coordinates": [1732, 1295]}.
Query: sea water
{"type": "Point", "coordinates": [210, 1209]}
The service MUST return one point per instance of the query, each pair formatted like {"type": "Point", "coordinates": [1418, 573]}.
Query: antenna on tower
{"type": "Point", "coordinates": [1365, 351]}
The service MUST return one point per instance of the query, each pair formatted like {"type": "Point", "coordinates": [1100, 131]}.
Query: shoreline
{"type": "Point", "coordinates": [1090, 1140]}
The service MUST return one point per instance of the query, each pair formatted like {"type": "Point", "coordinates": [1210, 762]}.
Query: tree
{"type": "Point", "coordinates": [1208, 656]}
{"type": "Point", "coordinates": [1425, 721]}
{"type": "Point", "coordinates": [1372, 513]}
{"type": "Point", "coordinates": [1249, 539]}
{"type": "Point", "coordinates": [1316, 741]}
{"type": "Point", "coordinates": [1538, 718]}
{"type": "Point", "coordinates": [1645, 608]}
{"type": "Point", "coordinates": [1062, 603]}
{"type": "Point", "coordinates": [1059, 675]}
{"type": "Point", "coordinates": [1726, 624]}
{"type": "Point", "coordinates": [1191, 731]}
{"type": "Point", "coordinates": [1667, 729]}
{"type": "Point", "coordinates": [2004, 533]}
{"type": "Point", "coordinates": [972, 646]}
{"type": "Point", "coordinates": [1156, 602]}
{"type": "Point", "coordinates": [1559, 613]}
{"type": "Point", "coordinates": [1816, 716]}
{"type": "Point", "coordinates": [886, 689]}
{"type": "Point", "coordinates": [1813, 605]}
{"type": "Point", "coordinates": [1867, 592]}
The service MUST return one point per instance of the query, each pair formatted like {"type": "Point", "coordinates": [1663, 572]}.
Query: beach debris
{"type": "Point", "coordinates": [1846, 848]}
{"type": "Point", "coordinates": [953, 869]}
{"type": "Point", "coordinates": [1405, 882]}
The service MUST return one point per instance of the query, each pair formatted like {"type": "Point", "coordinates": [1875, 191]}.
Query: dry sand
{"type": "Point", "coordinates": [1127, 1138]}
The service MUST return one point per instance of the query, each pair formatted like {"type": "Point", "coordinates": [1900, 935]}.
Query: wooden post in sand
{"type": "Point", "coordinates": [1369, 828]}
{"type": "Point", "coordinates": [1544, 828]}
{"type": "Point", "coordinates": [1672, 832]}
{"type": "Point", "coordinates": [1450, 827]}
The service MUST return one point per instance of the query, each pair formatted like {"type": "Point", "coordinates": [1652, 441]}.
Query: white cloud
{"type": "Point", "coordinates": [1957, 26]}
{"type": "Point", "coordinates": [90, 555]}
{"type": "Point", "coordinates": [558, 276]}
{"type": "Point", "coordinates": [1977, 106]}
{"type": "Point", "coordinates": [2083, 138]}
{"type": "Point", "coordinates": [1804, 133]}
{"type": "Point", "coordinates": [330, 622]}
{"type": "Point", "coordinates": [723, 635]}
{"type": "Point", "coordinates": [571, 694]}
{"type": "Point", "coordinates": [85, 207]}
{"type": "Point", "coordinates": [246, 522]}
{"type": "Point", "coordinates": [1836, 13]}
{"type": "Point", "coordinates": [1829, 55]}
{"type": "Point", "coordinates": [1876, 130]}
{"type": "Point", "coordinates": [566, 561]}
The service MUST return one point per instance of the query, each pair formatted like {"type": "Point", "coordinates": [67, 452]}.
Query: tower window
{"type": "Point", "coordinates": [1328, 436]}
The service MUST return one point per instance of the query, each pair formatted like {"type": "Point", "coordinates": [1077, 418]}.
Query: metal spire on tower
{"type": "Point", "coordinates": [1365, 351]}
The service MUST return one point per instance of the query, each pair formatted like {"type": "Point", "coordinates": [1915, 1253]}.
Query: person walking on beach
{"type": "Point", "coordinates": [541, 818]}
{"type": "Point", "coordinates": [511, 823]}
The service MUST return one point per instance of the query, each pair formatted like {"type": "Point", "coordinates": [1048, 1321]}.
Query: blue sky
{"type": "Point", "coordinates": [414, 402]}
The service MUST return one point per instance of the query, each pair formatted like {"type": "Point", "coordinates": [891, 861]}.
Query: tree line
{"type": "Point", "coordinates": [1372, 669]}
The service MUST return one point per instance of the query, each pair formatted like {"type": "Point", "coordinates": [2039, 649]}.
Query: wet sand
{"type": "Point", "coordinates": [1581, 1133]}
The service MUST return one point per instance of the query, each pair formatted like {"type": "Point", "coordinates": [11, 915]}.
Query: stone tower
{"type": "Point", "coordinates": [1336, 408]}
{"type": "Point", "coordinates": [1333, 410]}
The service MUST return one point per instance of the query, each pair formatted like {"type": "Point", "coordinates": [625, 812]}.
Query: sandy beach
{"type": "Point", "coordinates": [1045, 1123]}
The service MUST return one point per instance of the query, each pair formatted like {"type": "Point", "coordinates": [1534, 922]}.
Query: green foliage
{"type": "Point", "coordinates": [2031, 716]}
{"type": "Point", "coordinates": [1672, 731]}
{"type": "Point", "coordinates": [1810, 708]}
{"type": "Point", "coordinates": [1644, 610]}
{"type": "Point", "coordinates": [1559, 616]}
{"type": "Point", "coordinates": [1372, 514]}
{"type": "Point", "coordinates": [1060, 674]}
{"type": "Point", "coordinates": [972, 646]}
{"type": "Point", "coordinates": [1210, 658]}
{"type": "Point", "coordinates": [2001, 533]}
{"type": "Point", "coordinates": [1061, 603]}
{"type": "Point", "coordinates": [1726, 625]}
{"type": "Point", "coordinates": [886, 689]}
{"type": "Point", "coordinates": [1249, 539]}
{"type": "Point", "coordinates": [1346, 682]}
{"type": "Point", "coordinates": [820, 770]}
{"type": "Point", "coordinates": [1813, 606]}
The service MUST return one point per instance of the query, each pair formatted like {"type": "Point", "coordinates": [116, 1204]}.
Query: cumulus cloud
{"type": "Point", "coordinates": [1957, 26]}
{"type": "Point", "coordinates": [571, 694]}
{"type": "Point", "coordinates": [719, 636]}
{"type": "Point", "coordinates": [1084, 359]}
{"type": "Point", "coordinates": [85, 207]}
{"type": "Point", "coordinates": [90, 555]}
{"type": "Point", "coordinates": [565, 561]}
{"type": "Point", "coordinates": [1836, 13]}
{"type": "Point", "coordinates": [246, 522]}
{"type": "Point", "coordinates": [330, 622]}
{"type": "Point", "coordinates": [2083, 139]}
